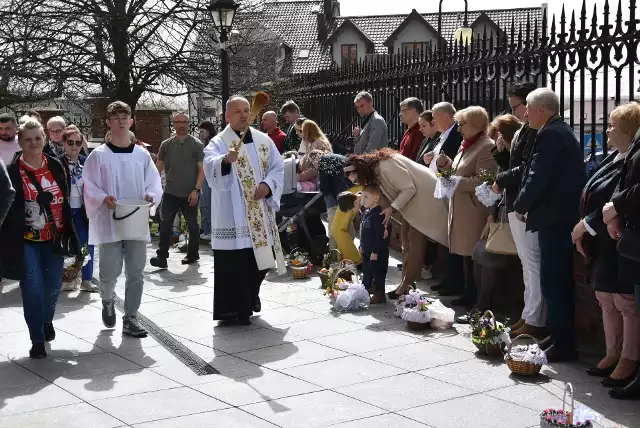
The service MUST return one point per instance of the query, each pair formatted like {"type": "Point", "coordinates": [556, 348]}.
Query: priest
{"type": "Point", "coordinates": [246, 174]}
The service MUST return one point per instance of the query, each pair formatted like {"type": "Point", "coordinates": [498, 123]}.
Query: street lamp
{"type": "Point", "coordinates": [463, 34]}
{"type": "Point", "coordinates": [222, 14]}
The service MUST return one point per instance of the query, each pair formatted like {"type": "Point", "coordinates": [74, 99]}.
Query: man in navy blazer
{"type": "Point", "coordinates": [549, 202]}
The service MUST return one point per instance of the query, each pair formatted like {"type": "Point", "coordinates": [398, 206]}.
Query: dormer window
{"type": "Point", "coordinates": [349, 54]}
{"type": "Point", "coordinates": [417, 47]}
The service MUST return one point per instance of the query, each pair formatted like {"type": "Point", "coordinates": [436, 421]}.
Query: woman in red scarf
{"type": "Point", "coordinates": [467, 216]}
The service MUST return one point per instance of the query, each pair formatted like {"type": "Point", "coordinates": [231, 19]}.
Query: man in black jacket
{"type": "Point", "coordinates": [534, 316]}
{"type": "Point", "coordinates": [549, 201]}
{"type": "Point", "coordinates": [6, 192]}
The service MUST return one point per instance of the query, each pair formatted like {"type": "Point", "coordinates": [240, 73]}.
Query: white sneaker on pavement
{"type": "Point", "coordinates": [426, 274]}
{"type": "Point", "coordinates": [205, 237]}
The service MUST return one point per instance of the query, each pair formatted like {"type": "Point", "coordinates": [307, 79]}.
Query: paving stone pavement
{"type": "Point", "coordinates": [298, 365]}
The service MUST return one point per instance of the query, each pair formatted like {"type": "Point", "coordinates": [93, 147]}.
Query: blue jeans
{"type": "Point", "coordinates": [40, 287]}
{"type": "Point", "coordinates": [205, 209]}
{"type": "Point", "coordinates": [83, 236]}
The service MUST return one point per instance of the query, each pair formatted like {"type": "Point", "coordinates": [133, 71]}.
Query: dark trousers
{"type": "Point", "coordinates": [170, 206]}
{"type": "Point", "coordinates": [374, 272]}
{"type": "Point", "coordinates": [556, 280]}
{"type": "Point", "coordinates": [40, 287]}
{"type": "Point", "coordinates": [460, 275]}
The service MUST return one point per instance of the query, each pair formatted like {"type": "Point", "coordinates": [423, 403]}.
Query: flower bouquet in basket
{"type": "Point", "coordinates": [446, 184]}
{"type": "Point", "coordinates": [330, 264]}
{"type": "Point", "coordinates": [485, 195]}
{"type": "Point", "coordinates": [576, 417]}
{"type": "Point", "coordinates": [299, 263]}
{"type": "Point", "coordinates": [407, 301]}
{"type": "Point", "coordinates": [73, 265]}
{"type": "Point", "coordinates": [489, 335]}
{"type": "Point", "coordinates": [525, 360]}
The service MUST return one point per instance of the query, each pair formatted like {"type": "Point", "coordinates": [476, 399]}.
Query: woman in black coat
{"type": "Point", "coordinates": [28, 252]}
{"type": "Point", "coordinates": [614, 292]}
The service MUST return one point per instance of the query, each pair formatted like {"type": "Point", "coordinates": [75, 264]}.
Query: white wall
{"type": "Point", "coordinates": [348, 37]}
{"type": "Point", "coordinates": [413, 32]}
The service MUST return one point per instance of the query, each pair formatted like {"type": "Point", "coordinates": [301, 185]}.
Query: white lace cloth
{"type": "Point", "coordinates": [528, 354]}
{"type": "Point", "coordinates": [440, 316]}
{"type": "Point", "coordinates": [353, 298]}
{"type": "Point", "coordinates": [486, 196]}
{"type": "Point", "coordinates": [446, 187]}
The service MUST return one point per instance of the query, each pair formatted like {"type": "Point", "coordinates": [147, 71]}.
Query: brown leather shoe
{"type": "Point", "coordinates": [529, 329]}
{"type": "Point", "coordinates": [517, 325]}
{"type": "Point", "coordinates": [378, 299]}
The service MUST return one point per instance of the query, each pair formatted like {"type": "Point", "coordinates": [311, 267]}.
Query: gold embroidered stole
{"type": "Point", "coordinates": [259, 211]}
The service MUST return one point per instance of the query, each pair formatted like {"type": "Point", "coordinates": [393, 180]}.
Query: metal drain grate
{"type": "Point", "coordinates": [171, 344]}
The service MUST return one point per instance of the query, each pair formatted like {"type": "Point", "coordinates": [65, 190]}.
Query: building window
{"type": "Point", "coordinates": [417, 47]}
{"type": "Point", "coordinates": [349, 54]}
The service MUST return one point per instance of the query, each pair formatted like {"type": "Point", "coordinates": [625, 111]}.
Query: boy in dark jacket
{"type": "Point", "coordinates": [374, 243]}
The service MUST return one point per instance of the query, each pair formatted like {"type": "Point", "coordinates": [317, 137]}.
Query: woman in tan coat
{"type": "Point", "coordinates": [409, 187]}
{"type": "Point", "coordinates": [467, 216]}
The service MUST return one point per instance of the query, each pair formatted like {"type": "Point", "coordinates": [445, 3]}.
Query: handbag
{"type": "Point", "coordinates": [63, 244]}
{"type": "Point", "coordinates": [500, 240]}
{"type": "Point", "coordinates": [629, 244]}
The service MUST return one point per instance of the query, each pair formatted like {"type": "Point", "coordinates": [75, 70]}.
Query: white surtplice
{"type": "Point", "coordinates": [122, 175]}
{"type": "Point", "coordinates": [230, 227]}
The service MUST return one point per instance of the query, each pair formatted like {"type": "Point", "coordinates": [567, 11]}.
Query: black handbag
{"type": "Point", "coordinates": [63, 244]}
{"type": "Point", "coordinates": [629, 244]}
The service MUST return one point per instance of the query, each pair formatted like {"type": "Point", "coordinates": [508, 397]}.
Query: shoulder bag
{"type": "Point", "coordinates": [500, 241]}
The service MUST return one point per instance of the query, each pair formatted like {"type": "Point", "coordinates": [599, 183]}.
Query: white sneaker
{"type": "Point", "coordinates": [69, 286]}
{"type": "Point", "coordinates": [205, 237]}
{"type": "Point", "coordinates": [426, 274]}
{"type": "Point", "coordinates": [88, 286]}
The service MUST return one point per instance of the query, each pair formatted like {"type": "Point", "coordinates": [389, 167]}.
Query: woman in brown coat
{"type": "Point", "coordinates": [467, 216]}
{"type": "Point", "coordinates": [409, 187]}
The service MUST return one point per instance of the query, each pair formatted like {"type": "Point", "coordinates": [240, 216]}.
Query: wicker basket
{"type": "Point", "coordinates": [491, 349]}
{"type": "Point", "coordinates": [417, 326]}
{"type": "Point", "coordinates": [337, 255]}
{"type": "Point", "coordinates": [563, 416]}
{"type": "Point", "coordinates": [354, 276]}
{"type": "Point", "coordinates": [521, 368]}
{"type": "Point", "coordinates": [324, 277]}
{"type": "Point", "coordinates": [69, 274]}
{"type": "Point", "coordinates": [300, 272]}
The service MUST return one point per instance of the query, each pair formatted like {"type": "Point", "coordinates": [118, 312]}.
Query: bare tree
{"type": "Point", "coordinates": [120, 49]}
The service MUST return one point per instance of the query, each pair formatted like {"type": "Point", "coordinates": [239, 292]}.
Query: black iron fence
{"type": "Point", "coordinates": [589, 59]}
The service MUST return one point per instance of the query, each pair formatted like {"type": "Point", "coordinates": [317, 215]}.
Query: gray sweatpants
{"type": "Point", "coordinates": [111, 258]}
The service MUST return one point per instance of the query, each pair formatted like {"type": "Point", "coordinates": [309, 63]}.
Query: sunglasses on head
{"type": "Point", "coordinates": [78, 143]}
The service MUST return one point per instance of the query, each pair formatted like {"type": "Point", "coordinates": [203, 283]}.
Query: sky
{"type": "Point", "coordinates": [384, 7]}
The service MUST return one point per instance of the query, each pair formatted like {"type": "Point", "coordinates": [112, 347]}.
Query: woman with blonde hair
{"type": "Point", "coordinates": [467, 216]}
{"type": "Point", "coordinates": [314, 144]}
{"type": "Point", "coordinates": [614, 290]}
{"type": "Point", "coordinates": [37, 232]}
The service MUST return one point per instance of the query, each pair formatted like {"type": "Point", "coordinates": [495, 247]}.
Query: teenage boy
{"type": "Point", "coordinates": [119, 170]}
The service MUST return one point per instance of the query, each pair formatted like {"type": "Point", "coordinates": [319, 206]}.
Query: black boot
{"type": "Point", "coordinates": [628, 392]}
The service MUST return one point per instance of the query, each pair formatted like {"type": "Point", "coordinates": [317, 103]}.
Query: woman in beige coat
{"type": "Point", "coordinates": [467, 216]}
{"type": "Point", "coordinates": [409, 187]}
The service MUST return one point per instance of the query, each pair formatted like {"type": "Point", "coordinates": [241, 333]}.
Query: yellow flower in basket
{"type": "Point", "coordinates": [483, 333]}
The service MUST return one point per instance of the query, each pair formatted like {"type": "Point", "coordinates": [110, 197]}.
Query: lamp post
{"type": "Point", "coordinates": [462, 34]}
{"type": "Point", "coordinates": [222, 13]}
